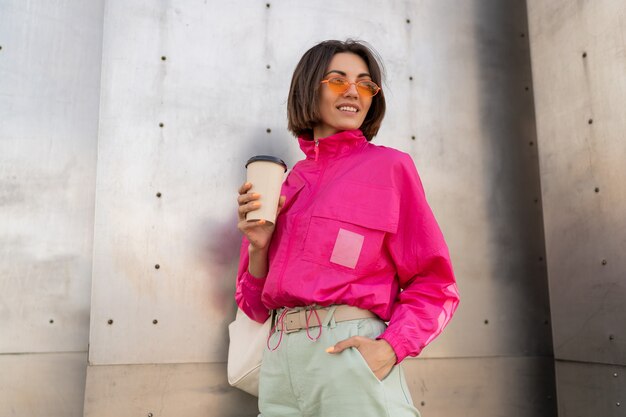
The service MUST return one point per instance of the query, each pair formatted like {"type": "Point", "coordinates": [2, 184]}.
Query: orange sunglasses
{"type": "Point", "coordinates": [340, 85]}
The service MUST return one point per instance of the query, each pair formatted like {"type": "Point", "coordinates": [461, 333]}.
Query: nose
{"type": "Point", "coordinates": [351, 91]}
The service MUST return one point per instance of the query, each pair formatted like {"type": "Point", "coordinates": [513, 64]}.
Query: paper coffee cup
{"type": "Point", "coordinates": [265, 173]}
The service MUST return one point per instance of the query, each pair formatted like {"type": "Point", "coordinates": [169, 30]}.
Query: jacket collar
{"type": "Point", "coordinates": [332, 146]}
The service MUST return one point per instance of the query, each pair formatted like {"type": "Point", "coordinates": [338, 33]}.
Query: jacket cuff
{"type": "Point", "coordinates": [397, 344]}
{"type": "Point", "coordinates": [253, 283]}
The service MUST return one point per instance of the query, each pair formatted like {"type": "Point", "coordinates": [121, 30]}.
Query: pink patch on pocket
{"type": "Point", "coordinates": [347, 248]}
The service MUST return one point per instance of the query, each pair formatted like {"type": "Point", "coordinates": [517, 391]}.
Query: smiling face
{"type": "Point", "coordinates": [344, 111]}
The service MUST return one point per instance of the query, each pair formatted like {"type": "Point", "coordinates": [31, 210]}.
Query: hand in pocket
{"type": "Point", "coordinates": [378, 354]}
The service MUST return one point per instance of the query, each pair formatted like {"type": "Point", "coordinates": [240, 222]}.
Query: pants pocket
{"type": "Point", "coordinates": [371, 328]}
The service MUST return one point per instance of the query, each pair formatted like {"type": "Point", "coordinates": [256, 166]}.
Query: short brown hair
{"type": "Point", "coordinates": [303, 102]}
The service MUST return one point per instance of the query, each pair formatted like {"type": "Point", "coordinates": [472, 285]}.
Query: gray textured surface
{"type": "Point", "coordinates": [459, 100]}
{"type": "Point", "coordinates": [585, 227]}
{"type": "Point", "coordinates": [49, 95]}
{"type": "Point", "coordinates": [579, 61]}
{"type": "Point", "coordinates": [50, 61]}
{"type": "Point", "coordinates": [467, 107]}
{"type": "Point", "coordinates": [590, 389]}
{"type": "Point", "coordinates": [496, 386]}
{"type": "Point", "coordinates": [42, 384]}
{"type": "Point", "coordinates": [165, 390]}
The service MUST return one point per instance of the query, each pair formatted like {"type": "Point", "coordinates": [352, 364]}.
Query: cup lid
{"type": "Point", "coordinates": [268, 158]}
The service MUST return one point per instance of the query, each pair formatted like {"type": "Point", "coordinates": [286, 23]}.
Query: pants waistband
{"type": "Point", "coordinates": [298, 318]}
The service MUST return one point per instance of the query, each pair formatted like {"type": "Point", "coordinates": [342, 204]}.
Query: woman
{"type": "Point", "coordinates": [354, 245]}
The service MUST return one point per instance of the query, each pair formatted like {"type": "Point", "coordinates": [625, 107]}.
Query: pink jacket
{"type": "Point", "coordinates": [356, 229]}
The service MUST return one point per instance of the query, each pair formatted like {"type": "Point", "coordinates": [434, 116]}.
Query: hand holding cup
{"type": "Point", "coordinates": [259, 199]}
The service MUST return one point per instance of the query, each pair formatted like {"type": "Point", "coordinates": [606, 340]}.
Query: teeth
{"type": "Point", "coordinates": [346, 108]}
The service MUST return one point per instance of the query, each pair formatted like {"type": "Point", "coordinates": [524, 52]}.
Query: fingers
{"type": "Point", "coordinates": [247, 207]}
{"type": "Point", "coordinates": [244, 195]}
{"type": "Point", "coordinates": [247, 202]}
{"type": "Point", "coordinates": [245, 187]}
{"type": "Point", "coordinates": [247, 197]}
{"type": "Point", "coordinates": [244, 225]}
{"type": "Point", "coordinates": [354, 341]}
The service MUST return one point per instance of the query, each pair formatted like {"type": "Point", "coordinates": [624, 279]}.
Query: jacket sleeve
{"type": "Point", "coordinates": [249, 288]}
{"type": "Point", "coordinates": [429, 295]}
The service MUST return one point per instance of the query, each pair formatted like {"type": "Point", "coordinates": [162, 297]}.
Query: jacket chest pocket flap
{"type": "Point", "coordinates": [348, 226]}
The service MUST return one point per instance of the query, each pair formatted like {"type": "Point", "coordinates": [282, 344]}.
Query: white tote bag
{"type": "Point", "coordinates": [248, 339]}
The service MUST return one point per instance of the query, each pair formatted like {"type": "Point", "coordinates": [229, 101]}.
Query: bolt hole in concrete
{"type": "Point", "coordinates": [155, 321]}
{"type": "Point", "coordinates": [157, 266]}
{"type": "Point", "coordinates": [110, 321]}
{"type": "Point", "coordinates": [163, 58]}
{"type": "Point", "coordinates": [268, 130]}
{"type": "Point", "coordinates": [51, 321]}
{"type": "Point", "coordinates": [161, 125]}
{"type": "Point", "coordinates": [158, 195]}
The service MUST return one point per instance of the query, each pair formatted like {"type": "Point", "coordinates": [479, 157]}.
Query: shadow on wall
{"type": "Point", "coordinates": [219, 240]}
{"type": "Point", "coordinates": [516, 237]}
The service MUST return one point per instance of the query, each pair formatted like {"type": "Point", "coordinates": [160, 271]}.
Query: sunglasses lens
{"type": "Point", "coordinates": [338, 85]}
{"type": "Point", "coordinates": [367, 88]}
{"type": "Point", "coordinates": [341, 85]}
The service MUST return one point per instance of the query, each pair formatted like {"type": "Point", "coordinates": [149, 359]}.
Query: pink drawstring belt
{"type": "Point", "coordinates": [295, 319]}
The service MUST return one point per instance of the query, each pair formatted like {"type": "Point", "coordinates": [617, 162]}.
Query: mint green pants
{"type": "Point", "coordinates": [300, 379]}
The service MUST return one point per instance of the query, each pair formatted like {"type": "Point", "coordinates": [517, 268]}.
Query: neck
{"type": "Point", "coordinates": [320, 132]}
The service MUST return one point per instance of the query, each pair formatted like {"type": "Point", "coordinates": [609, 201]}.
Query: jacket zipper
{"type": "Point", "coordinates": [296, 217]}
{"type": "Point", "coordinates": [317, 149]}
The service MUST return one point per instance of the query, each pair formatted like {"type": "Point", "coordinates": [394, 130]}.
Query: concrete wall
{"type": "Point", "coordinates": [190, 90]}
{"type": "Point", "coordinates": [216, 77]}
{"type": "Point", "coordinates": [579, 70]}
{"type": "Point", "coordinates": [49, 96]}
